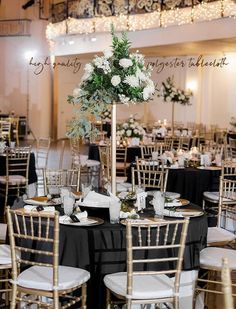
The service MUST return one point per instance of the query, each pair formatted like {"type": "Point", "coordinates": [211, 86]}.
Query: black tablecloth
{"type": "Point", "coordinates": [32, 170]}
{"type": "Point", "coordinates": [132, 153]}
{"type": "Point", "coordinates": [102, 250]}
{"type": "Point", "coordinates": [192, 182]}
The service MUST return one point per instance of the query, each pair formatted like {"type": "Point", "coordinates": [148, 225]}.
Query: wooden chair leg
{"type": "Point", "coordinates": [84, 296]}
{"type": "Point", "coordinates": [108, 299]}
{"type": "Point", "coordinates": [13, 296]}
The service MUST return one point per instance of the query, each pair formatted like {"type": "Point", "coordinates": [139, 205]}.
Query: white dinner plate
{"type": "Point", "coordinates": [93, 204]}
{"type": "Point", "coordinates": [188, 213]}
{"type": "Point", "coordinates": [89, 222]}
{"type": "Point", "coordinates": [175, 203]}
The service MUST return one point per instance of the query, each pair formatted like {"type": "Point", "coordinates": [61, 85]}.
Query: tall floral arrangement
{"type": "Point", "coordinates": [117, 76]}
{"type": "Point", "coordinates": [170, 93]}
{"type": "Point", "coordinates": [130, 128]}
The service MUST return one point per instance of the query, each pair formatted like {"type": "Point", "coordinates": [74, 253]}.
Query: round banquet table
{"type": "Point", "coordinates": [102, 250]}
{"type": "Point", "coordinates": [192, 182]}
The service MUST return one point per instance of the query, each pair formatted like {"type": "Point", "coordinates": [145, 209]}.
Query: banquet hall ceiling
{"type": "Point", "coordinates": [209, 47]}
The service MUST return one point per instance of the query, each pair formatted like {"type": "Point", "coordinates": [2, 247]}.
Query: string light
{"type": "Point", "coordinates": [205, 11]}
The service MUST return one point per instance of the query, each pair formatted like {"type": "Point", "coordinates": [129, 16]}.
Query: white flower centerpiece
{"type": "Point", "coordinates": [131, 131]}
{"type": "Point", "coordinates": [170, 93]}
{"type": "Point", "coordinates": [117, 77]}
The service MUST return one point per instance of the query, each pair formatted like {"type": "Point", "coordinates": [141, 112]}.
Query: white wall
{"type": "Point", "coordinates": [18, 83]}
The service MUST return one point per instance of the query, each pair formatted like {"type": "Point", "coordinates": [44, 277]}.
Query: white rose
{"type": "Point", "coordinates": [132, 126]}
{"type": "Point", "coordinates": [108, 53]}
{"type": "Point", "coordinates": [89, 68]}
{"type": "Point", "coordinates": [136, 131]}
{"type": "Point", "coordinates": [125, 125]}
{"type": "Point", "coordinates": [115, 80]}
{"type": "Point", "coordinates": [123, 98]}
{"type": "Point", "coordinates": [128, 132]}
{"type": "Point", "coordinates": [168, 99]}
{"type": "Point", "coordinates": [125, 63]}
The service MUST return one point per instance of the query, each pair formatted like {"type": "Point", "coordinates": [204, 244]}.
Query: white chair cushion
{"type": "Point", "coordinates": [211, 258]}
{"type": "Point", "coordinates": [41, 277]}
{"type": "Point", "coordinates": [5, 255]}
{"type": "Point", "coordinates": [172, 195]}
{"type": "Point", "coordinates": [144, 287]}
{"type": "Point", "coordinates": [218, 234]}
{"type": "Point", "coordinates": [92, 163]}
{"type": "Point", "coordinates": [215, 196]}
{"type": "Point", "coordinates": [13, 179]}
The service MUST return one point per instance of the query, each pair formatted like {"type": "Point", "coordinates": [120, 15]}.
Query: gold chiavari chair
{"type": "Point", "coordinates": [232, 147]}
{"type": "Point", "coordinates": [41, 154]}
{"type": "Point", "coordinates": [15, 181]}
{"type": "Point", "coordinates": [15, 129]}
{"type": "Point", "coordinates": [163, 248]}
{"type": "Point", "coordinates": [168, 144]}
{"type": "Point", "coordinates": [150, 174]}
{"type": "Point", "coordinates": [5, 272]}
{"type": "Point", "coordinates": [105, 167]}
{"type": "Point", "coordinates": [45, 277]}
{"type": "Point", "coordinates": [185, 143]}
{"type": "Point", "coordinates": [56, 179]}
{"type": "Point", "coordinates": [227, 285]}
{"type": "Point", "coordinates": [228, 170]}
{"type": "Point", "coordinates": [5, 129]}
{"type": "Point", "coordinates": [147, 150]}
{"type": "Point", "coordinates": [121, 161]}
{"type": "Point", "coordinates": [222, 234]}
{"type": "Point", "coordinates": [211, 268]}
{"type": "Point", "coordinates": [176, 142]}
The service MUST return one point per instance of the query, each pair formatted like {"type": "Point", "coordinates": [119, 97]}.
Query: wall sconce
{"type": "Point", "coordinates": [191, 85]}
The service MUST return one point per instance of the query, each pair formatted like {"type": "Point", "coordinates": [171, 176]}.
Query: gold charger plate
{"type": "Point", "coordinates": [188, 212]}
{"type": "Point", "coordinates": [145, 221]}
{"type": "Point", "coordinates": [183, 201]}
{"type": "Point", "coordinates": [43, 200]}
{"type": "Point", "coordinates": [99, 221]}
